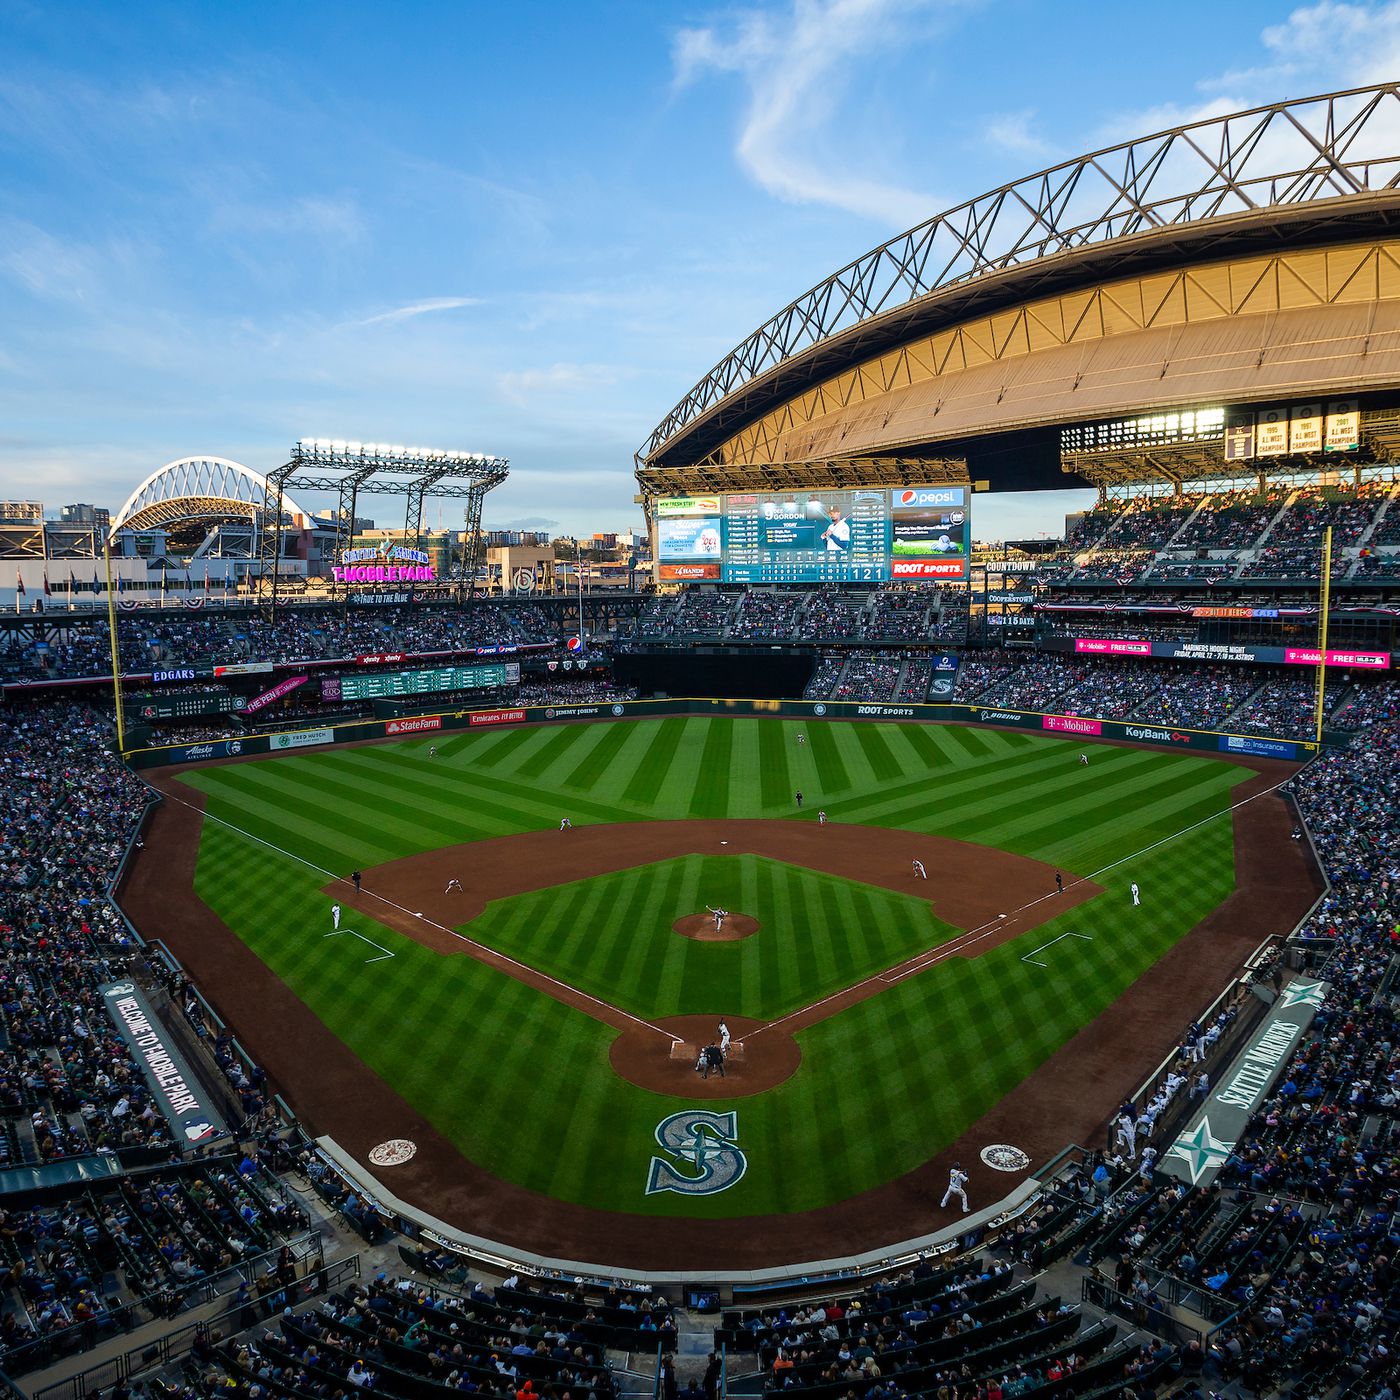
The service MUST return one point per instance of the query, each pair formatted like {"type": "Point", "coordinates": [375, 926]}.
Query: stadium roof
{"type": "Point", "coordinates": [1289, 175]}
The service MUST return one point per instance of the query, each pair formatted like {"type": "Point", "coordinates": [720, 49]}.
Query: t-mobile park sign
{"type": "Point", "coordinates": [390, 563]}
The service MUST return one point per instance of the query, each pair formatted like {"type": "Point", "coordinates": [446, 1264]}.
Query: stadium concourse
{"type": "Point", "coordinates": [113, 1222]}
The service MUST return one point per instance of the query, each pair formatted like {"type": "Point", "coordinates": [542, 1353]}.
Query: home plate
{"type": "Point", "coordinates": [689, 1051]}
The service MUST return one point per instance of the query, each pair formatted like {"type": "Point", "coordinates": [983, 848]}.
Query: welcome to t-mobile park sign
{"type": "Point", "coordinates": [394, 563]}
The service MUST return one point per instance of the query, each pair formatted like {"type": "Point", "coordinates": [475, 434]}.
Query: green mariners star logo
{"type": "Point", "coordinates": [1201, 1150]}
{"type": "Point", "coordinates": [1302, 994]}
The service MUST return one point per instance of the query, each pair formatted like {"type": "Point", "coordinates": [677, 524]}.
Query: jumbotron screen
{"type": "Point", "coordinates": [864, 535]}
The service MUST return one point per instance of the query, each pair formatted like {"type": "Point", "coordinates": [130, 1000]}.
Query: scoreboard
{"type": "Point", "coordinates": [864, 535]}
{"type": "Point", "coordinates": [189, 706]}
{"type": "Point", "coordinates": [377, 685]}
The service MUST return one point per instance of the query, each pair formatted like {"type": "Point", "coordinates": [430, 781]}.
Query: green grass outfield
{"type": "Point", "coordinates": [522, 1084]}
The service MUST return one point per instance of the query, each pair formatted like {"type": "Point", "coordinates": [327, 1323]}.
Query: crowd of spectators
{"type": "Point", "coordinates": [869, 675]}
{"type": "Point", "coordinates": [769, 615]}
{"type": "Point", "coordinates": [83, 644]}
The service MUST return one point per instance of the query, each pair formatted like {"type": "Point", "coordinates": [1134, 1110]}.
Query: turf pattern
{"type": "Point", "coordinates": [882, 1087]}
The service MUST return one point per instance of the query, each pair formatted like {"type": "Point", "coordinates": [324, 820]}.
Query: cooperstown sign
{"type": "Point", "coordinates": [704, 1155]}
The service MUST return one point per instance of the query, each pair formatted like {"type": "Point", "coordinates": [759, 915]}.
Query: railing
{"type": "Point", "coordinates": [239, 1315]}
{"type": "Point", "coordinates": [1102, 1295]}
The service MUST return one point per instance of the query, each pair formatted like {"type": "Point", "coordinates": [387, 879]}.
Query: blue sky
{"type": "Point", "coordinates": [523, 229]}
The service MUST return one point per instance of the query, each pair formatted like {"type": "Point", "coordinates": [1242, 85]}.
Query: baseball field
{"type": "Point", "coordinates": [544, 1018]}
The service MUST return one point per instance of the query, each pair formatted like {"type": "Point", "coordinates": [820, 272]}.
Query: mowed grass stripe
{"type": "Point", "coordinates": [510, 1074]}
{"type": "Point", "coordinates": [710, 796]}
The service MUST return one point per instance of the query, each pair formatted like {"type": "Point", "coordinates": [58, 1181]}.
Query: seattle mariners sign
{"type": "Point", "coordinates": [705, 1150]}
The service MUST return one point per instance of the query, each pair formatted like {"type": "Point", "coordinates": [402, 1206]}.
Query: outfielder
{"type": "Point", "coordinates": [919, 872]}
{"type": "Point", "coordinates": [1137, 897]}
{"type": "Point", "coordinates": [1084, 759]}
{"type": "Point", "coordinates": [821, 818]}
{"type": "Point", "coordinates": [801, 738]}
{"type": "Point", "coordinates": [957, 1179]}
{"type": "Point", "coordinates": [432, 750]}
{"type": "Point", "coordinates": [335, 916]}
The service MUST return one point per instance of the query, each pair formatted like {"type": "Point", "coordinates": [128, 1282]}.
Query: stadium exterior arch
{"type": "Point", "coordinates": [199, 488]}
{"type": "Point", "coordinates": [1250, 259]}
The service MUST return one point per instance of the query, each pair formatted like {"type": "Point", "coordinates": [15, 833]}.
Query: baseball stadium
{"type": "Point", "coordinates": [844, 959]}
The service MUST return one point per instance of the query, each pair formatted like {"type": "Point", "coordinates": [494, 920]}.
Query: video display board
{"type": "Point", "coordinates": [377, 685]}
{"type": "Point", "coordinates": [864, 535]}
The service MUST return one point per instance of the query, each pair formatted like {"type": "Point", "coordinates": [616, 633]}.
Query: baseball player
{"type": "Point", "coordinates": [1137, 895]}
{"type": "Point", "coordinates": [1084, 759]}
{"type": "Point", "coordinates": [957, 1179]}
{"type": "Point", "coordinates": [355, 878]}
{"type": "Point", "coordinates": [919, 872]}
{"type": "Point", "coordinates": [821, 818]}
{"type": "Point", "coordinates": [801, 738]}
{"type": "Point", "coordinates": [1059, 883]}
{"type": "Point", "coordinates": [719, 917]}
{"type": "Point", "coordinates": [799, 798]}
{"type": "Point", "coordinates": [453, 884]}
{"type": "Point", "coordinates": [723, 1039]}
{"type": "Point", "coordinates": [432, 750]}
{"type": "Point", "coordinates": [565, 824]}
{"type": "Point", "coordinates": [335, 916]}
{"type": "Point", "coordinates": [1127, 1135]}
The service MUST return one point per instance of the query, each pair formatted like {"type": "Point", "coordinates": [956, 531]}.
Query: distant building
{"type": "Point", "coordinates": [20, 512]}
{"type": "Point", "coordinates": [99, 517]}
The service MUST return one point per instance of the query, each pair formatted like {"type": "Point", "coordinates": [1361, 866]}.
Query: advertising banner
{"type": "Point", "coordinates": [1110, 646]}
{"type": "Point", "coordinates": [1070, 724]}
{"type": "Point", "coordinates": [1372, 660]}
{"type": "Point", "coordinates": [419, 724]}
{"type": "Point", "coordinates": [945, 677]}
{"type": "Point", "coordinates": [301, 739]}
{"type": "Point", "coordinates": [268, 697]}
{"type": "Point", "coordinates": [177, 1092]}
{"type": "Point", "coordinates": [1210, 651]}
{"type": "Point", "coordinates": [1201, 1150]}
{"type": "Point", "coordinates": [181, 673]}
{"type": "Point", "coordinates": [245, 668]}
{"type": "Point", "coordinates": [1265, 748]}
{"type": "Point", "coordinates": [479, 717]}
{"type": "Point", "coordinates": [218, 748]}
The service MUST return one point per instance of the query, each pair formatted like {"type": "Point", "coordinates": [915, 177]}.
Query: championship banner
{"type": "Point", "coordinates": [1208, 1139]}
{"type": "Point", "coordinates": [1342, 426]}
{"type": "Point", "coordinates": [1271, 432]}
{"type": "Point", "coordinates": [176, 1091]}
{"type": "Point", "coordinates": [1305, 428]}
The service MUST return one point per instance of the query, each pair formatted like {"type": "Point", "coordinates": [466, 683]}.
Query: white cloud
{"type": "Point", "coordinates": [797, 67]}
{"type": "Point", "coordinates": [522, 386]}
{"type": "Point", "coordinates": [418, 308]}
{"type": "Point", "coordinates": [1015, 132]}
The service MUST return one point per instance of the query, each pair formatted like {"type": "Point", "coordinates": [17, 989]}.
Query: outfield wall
{"type": "Point", "coordinates": [1066, 726]}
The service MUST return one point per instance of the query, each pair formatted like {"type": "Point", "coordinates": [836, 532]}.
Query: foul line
{"type": "Point", "coordinates": [363, 939]}
{"type": "Point", "coordinates": [955, 947]}
{"type": "Point", "coordinates": [490, 953]}
{"type": "Point", "coordinates": [1029, 958]}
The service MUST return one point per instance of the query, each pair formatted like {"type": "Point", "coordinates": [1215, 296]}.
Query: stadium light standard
{"type": "Point", "coordinates": [115, 649]}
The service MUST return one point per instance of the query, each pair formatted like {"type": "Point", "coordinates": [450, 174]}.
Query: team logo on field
{"type": "Point", "coordinates": [705, 1150]}
{"type": "Point", "coordinates": [1002, 1157]}
{"type": "Point", "coordinates": [393, 1153]}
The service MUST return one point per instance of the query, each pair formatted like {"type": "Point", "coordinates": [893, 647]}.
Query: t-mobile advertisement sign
{"type": "Point", "coordinates": [282, 688]}
{"type": "Point", "coordinates": [1070, 724]}
{"type": "Point", "coordinates": [1105, 646]}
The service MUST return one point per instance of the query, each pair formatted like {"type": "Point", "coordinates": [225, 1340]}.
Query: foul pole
{"type": "Point", "coordinates": [1324, 604]}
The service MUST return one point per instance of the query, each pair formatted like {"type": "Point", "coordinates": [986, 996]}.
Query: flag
{"type": "Point", "coordinates": [121, 584]}
{"type": "Point", "coordinates": [96, 582]}
{"type": "Point", "coordinates": [47, 591]}
{"type": "Point", "coordinates": [19, 583]}
{"type": "Point", "coordinates": [206, 576]}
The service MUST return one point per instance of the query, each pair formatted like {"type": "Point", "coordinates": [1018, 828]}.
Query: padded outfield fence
{"type": "Point", "coordinates": [421, 725]}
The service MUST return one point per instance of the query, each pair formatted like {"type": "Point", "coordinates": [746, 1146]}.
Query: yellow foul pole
{"type": "Point", "coordinates": [1324, 604]}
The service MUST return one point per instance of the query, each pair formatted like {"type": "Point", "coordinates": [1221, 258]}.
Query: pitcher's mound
{"type": "Point", "coordinates": [702, 927]}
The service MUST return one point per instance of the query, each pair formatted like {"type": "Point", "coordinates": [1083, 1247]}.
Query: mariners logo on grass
{"type": "Point", "coordinates": [1002, 1157]}
{"type": "Point", "coordinates": [706, 1151]}
{"type": "Point", "coordinates": [393, 1153]}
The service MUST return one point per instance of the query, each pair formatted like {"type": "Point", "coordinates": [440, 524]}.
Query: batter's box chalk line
{"type": "Point", "coordinates": [1031, 958]}
{"type": "Point", "coordinates": [383, 951]}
